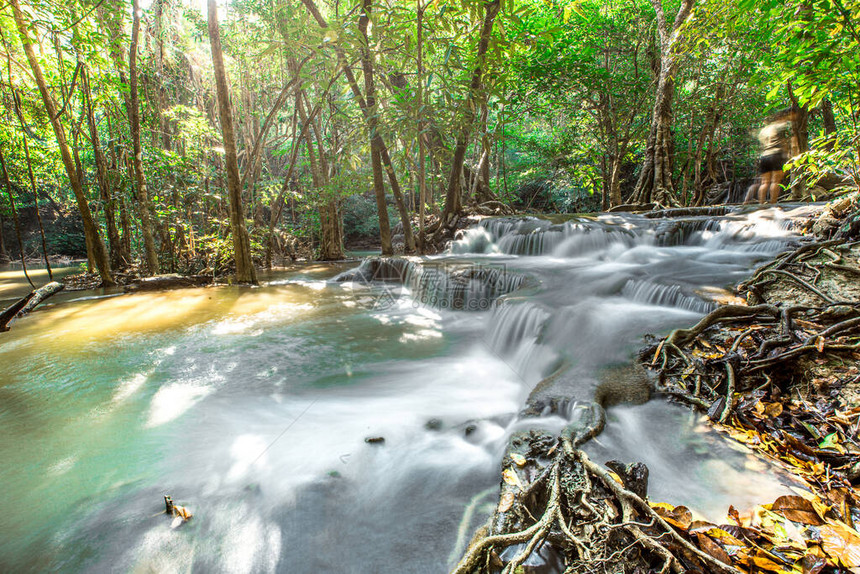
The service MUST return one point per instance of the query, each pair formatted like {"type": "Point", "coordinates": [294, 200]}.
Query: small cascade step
{"type": "Point", "coordinates": [461, 287]}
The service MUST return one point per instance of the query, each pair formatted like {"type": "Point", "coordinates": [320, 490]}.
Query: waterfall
{"type": "Point", "coordinates": [437, 284]}
{"type": "Point", "coordinates": [604, 281]}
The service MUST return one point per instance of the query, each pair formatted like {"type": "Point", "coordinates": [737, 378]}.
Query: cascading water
{"type": "Point", "coordinates": [252, 406]}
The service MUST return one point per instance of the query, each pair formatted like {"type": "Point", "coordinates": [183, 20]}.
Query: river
{"type": "Point", "coordinates": [251, 406]}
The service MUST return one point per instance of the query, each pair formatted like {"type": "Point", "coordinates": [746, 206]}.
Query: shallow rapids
{"type": "Point", "coordinates": [251, 406]}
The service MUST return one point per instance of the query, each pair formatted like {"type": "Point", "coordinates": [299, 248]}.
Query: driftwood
{"type": "Point", "coordinates": [9, 313]}
{"type": "Point", "coordinates": [28, 303]}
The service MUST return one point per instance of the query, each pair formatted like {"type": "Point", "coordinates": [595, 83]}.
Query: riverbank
{"type": "Point", "coordinates": [777, 371]}
{"type": "Point", "coordinates": [780, 375]}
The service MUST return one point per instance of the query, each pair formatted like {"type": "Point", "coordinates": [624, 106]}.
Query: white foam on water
{"type": "Point", "coordinates": [129, 387]}
{"type": "Point", "coordinates": [172, 401]}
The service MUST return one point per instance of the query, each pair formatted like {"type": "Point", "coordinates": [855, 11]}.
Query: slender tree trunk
{"type": "Point", "coordinates": [277, 205]}
{"type": "Point", "coordinates": [125, 225]}
{"type": "Point", "coordinates": [117, 192]}
{"type": "Point", "coordinates": [245, 271]}
{"type": "Point", "coordinates": [90, 229]}
{"type": "Point", "coordinates": [101, 173]}
{"type": "Point", "coordinates": [422, 160]}
{"type": "Point", "coordinates": [453, 199]}
{"type": "Point", "coordinates": [482, 191]}
{"type": "Point", "coordinates": [615, 181]}
{"type": "Point", "coordinates": [331, 242]}
{"type": "Point", "coordinates": [370, 116]}
{"type": "Point", "coordinates": [36, 202]}
{"type": "Point", "coordinates": [17, 223]}
{"type": "Point", "coordinates": [143, 203]}
{"type": "Point", "coordinates": [372, 128]}
{"type": "Point", "coordinates": [828, 117]}
{"type": "Point", "coordinates": [4, 255]}
{"type": "Point", "coordinates": [799, 143]}
{"type": "Point", "coordinates": [655, 179]}
{"type": "Point", "coordinates": [331, 230]}
{"type": "Point", "coordinates": [161, 92]}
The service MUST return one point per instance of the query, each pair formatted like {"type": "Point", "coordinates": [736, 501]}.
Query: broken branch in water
{"type": "Point", "coordinates": [28, 303]}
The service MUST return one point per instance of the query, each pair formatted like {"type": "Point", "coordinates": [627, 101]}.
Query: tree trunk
{"type": "Point", "coordinates": [36, 200]}
{"type": "Point", "coordinates": [453, 198]}
{"type": "Point", "coordinates": [4, 255]}
{"type": "Point", "coordinates": [161, 92]}
{"type": "Point", "coordinates": [799, 142]}
{"type": "Point", "coordinates": [372, 127]}
{"type": "Point", "coordinates": [101, 173]}
{"type": "Point", "coordinates": [90, 229]}
{"type": "Point", "coordinates": [143, 203]}
{"type": "Point", "coordinates": [615, 181]}
{"type": "Point", "coordinates": [655, 179]}
{"type": "Point", "coordinates": [828, 117]}
{"type": "Point", "coordinates": [125, 224]}
{"type": "Point", "coordinates": [277, 205]}
{"type": "Point", "coordinates": [422, 162]}
{"type": "Point", "coordinates": [28, 303]}
{"type": "Point", "coordinates": [369, 117]}
{"type": "Point", "coordinates": [116, 189]}
{"type": "Point", "coordinates": [331, 242]}
{"type": "Point", "coordinates": [8, 185]}
{"type": "Point", "coordinates": [245, 272]}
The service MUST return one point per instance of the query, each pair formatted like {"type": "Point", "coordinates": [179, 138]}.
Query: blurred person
{"type": "Point", "coordinates": [774, 140]}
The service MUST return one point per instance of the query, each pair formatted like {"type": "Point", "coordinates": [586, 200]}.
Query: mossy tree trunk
{"type": "Point", "coordinates": [245, 271]}
{"type": "Point", "coordinates": [143, 203]}
{"type": "Point", "coordinates": [655, 179]}
{"type": "Point", "coordinates": [91, 232]}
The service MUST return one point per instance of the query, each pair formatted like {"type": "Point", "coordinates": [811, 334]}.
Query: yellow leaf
{"type": "Point", "coordinates": [510, 476]}
{"type": "Point", "coordinates": [773, 409]}
{"type": "Point", "coordinates": [841, 543]}
{"type": "Point", "coordinates": [519, 459]}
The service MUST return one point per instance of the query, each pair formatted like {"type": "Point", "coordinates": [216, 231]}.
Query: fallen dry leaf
{"type": "Point", "coordinates": [841, 543]}
{"type": "Point", "coordinates": [797, 509]}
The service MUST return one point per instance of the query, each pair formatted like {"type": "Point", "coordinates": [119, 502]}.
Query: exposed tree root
{"type": "Point", "coordinates": [582, 512]}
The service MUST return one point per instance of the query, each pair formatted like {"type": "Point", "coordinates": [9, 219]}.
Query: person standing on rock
{"type": "Point", "coordinates": [774, 153]}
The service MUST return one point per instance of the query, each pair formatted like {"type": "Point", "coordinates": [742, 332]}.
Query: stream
{"type": "Point", "coordinates": [251, 406]}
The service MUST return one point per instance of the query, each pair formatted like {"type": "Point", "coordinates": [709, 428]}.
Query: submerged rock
{"type": "Point", "coordinates": [433, 424]}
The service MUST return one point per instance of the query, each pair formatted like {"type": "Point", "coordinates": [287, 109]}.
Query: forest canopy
{"type": "Point", "coordinates": [205, 137]}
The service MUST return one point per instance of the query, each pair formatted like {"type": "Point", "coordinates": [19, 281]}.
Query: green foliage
{"type": "Point", "coordinates": [567, 89]}
{"type": "Point", "coordinates": [360, 218]}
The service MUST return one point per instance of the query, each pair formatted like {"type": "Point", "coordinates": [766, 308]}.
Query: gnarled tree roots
{"type": "Point", "coordinates": [559, 511]}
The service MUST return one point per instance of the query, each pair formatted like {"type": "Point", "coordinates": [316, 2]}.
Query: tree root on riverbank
{"type": "Point", "coordinates": [559, 510]}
